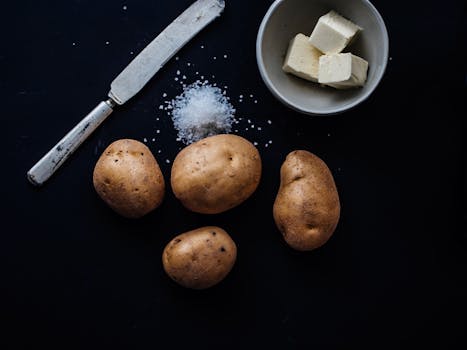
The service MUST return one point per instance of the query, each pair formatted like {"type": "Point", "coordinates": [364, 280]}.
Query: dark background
{"type": "Point", "coordinates": [76, 275]}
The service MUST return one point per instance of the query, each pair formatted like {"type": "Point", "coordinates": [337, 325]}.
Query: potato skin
{"type": "Point", "coordinates": [128, 178]}
{"type": "Point", "coordinates": [307, 207]}
{"type": "Point", "coordinates": [201, 258]}
{"type": "Point", "coordinates": [216, 174]}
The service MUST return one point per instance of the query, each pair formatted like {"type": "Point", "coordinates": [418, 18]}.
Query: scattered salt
{"type": "Point", "coordinates": [178, 72]}
{"type": "Point", "coordinates": [201, 111]}
{"type": "Point", "coordinates": [177, 58]}
{"type": "Point", "coordinates": [167, 161]}
{"type": "Point", "coordinates": [164, 95]}
{"type": "Point", "coordinates": [269, 122]}
{"type": "Point", "coordinates": [124, 7]}
{"type": "Point", "coordinates": [225, 56]}
{"type": "Point", "coordinates": [107, 43]}
{"type": "Point", "coordinates": [145, 140]}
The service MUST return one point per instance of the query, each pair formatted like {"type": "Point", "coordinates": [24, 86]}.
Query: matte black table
{"type": "Point", "coordinates": [76, 275]}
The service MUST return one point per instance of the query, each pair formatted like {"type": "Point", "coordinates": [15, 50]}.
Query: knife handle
{"type": "Point", "coordinates": [48, 164]}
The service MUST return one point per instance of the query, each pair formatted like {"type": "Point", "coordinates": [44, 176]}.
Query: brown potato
{"type": "Point", "coordinates": [200, 258]}
{"type": "Point", "coordinates": [216, 174]}
{"type": "Point", "coordinates": [128, 178]}
{"type": "Point", "coordinates": [307, 208]}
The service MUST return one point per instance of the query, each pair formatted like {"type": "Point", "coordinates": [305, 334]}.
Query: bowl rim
{"type": "Point", "coordinates": [334, 111]}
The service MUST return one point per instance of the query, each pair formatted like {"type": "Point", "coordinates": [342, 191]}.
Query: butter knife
{"type": "Point", "coordinates": [129, 82]}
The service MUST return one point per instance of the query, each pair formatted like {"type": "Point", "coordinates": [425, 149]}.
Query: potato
{"type": "Point", "coordinates": [307, 208]}
{"type": "Point", "coordinates": [216, 174]}
{"type": "Point", "coordinates": [128, 178]}
{"type": "Point", "coordinates": [201, 258]}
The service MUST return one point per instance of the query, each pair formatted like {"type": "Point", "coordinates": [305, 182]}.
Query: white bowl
{"type": "Point", "coordinates": [285, 19]}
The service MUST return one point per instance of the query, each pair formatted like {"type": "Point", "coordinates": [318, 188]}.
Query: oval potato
{"type": "Point", "coordinates": [201, 258]}
{"type": "Point", "coordinates": [216, 174]}
{"type": "Point", "coordinates": [128, 178]}
{"type": "Point", "coordinates": [307, 207]}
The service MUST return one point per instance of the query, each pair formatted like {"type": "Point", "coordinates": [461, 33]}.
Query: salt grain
{"type": "Point", "coordinates": [201, 111]}
{"type": "Point", "coordinates": [124, 7]}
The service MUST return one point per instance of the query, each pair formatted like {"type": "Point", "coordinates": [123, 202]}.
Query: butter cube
{"type": "Point", "coordinates": [342, 70]}
{"type": "Point", "coordinates": [302, 58]}
{"type": "Point", "coordinates": [333, 33]}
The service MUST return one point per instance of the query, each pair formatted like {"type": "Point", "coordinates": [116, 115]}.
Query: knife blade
{"type": "Point", "coordinates": [129, 82]}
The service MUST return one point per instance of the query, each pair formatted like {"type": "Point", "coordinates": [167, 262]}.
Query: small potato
{"type": "Point", "coordinates": [201, 258]}
{"type": "Point", "coordinates": [128, 178]}
{"type": "Point", "coordinates": [307, 208]}
{"type": "Point", "coordinates": [216, 174]}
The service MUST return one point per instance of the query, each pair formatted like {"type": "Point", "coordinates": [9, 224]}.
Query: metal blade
{"type": "Point", "coordinates": [133, 78]}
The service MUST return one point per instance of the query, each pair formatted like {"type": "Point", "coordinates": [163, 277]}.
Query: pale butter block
{"type": "Point", "coordinates": [342, 70]}
{"type": "Point", "coordinates": [333, 33]}
{"type": "Point", "coordinates": [302, 58]}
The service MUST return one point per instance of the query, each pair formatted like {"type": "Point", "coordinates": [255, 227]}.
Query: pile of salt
{"type": "Point", "coordinates": [200, 111]}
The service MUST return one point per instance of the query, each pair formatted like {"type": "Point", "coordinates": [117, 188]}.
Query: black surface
{"type": "Point", "coordinates": [76, 275]}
